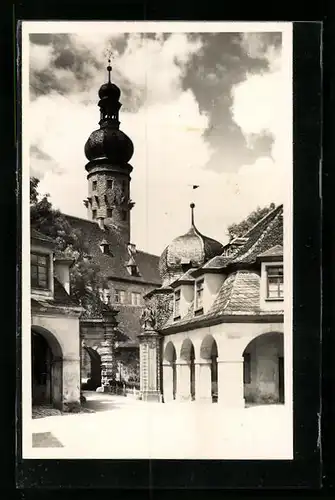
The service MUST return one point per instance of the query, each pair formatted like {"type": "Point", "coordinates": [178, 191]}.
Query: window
{"type": "Point", "coordinates": [275, 282]}
{"type": "Point", "coordinates": [136, 299]}
{"type": "Point", "coordinates": [109, 212]}
{"type": "Point", "coordinates": [94, 185]}
{"type": "Point", "coordinates": [124, 215]}
{"type": "Point", "coordinates": [39, 267]}
{"type": "Point", "coordinates": [110, 183]}
{"type": "Point", "coordinates": [104, 295]}
{"type": "Point", "coordinates": [246, 368]}
{"type": "Point", "coordinates": [177, 304]}
{"type": "Point", "coordinates": [199, 291]}
{"type": "Point", "coordinates": [94, 214]}
{"type": "Point", "coordinates": [120, 296]}
{"type": "Point", "coordinates": [123, 186]}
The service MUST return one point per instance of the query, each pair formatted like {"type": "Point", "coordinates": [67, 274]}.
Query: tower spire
{"type": "Point", "coordinates": [109, 69]}
{"type": "Point", "coordinates": [192, 205]}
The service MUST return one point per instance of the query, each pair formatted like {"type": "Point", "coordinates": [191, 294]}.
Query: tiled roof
{"type": "Point", "coordinates": [185, 278]}
{"type": "Point", "coordinates": [60, 299]}
{"type": "Point", "coordinates": [37, 235]}
{"type": "Point", "coordinates": [114, 265]}
{"type": "Point", "coordinates": [239, 295]}
{"type": "Point", "coordinates": [276, 251]}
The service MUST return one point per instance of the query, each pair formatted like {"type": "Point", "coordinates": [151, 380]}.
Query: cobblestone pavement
{"type": "Point", "coordinates": [43, 411]}
{"type": "Point", "coordinates": [125, 428]}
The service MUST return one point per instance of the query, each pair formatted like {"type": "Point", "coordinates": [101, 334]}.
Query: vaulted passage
{"type": "Point", "coordinates": [264, 370]}
{"type": "Point", "coordinates": [91, 369]}
{"type": "Point", "coordinates": [207, 385]}
{"type": "Point", "coordinates": [46, 364]}
{"type": "Point", "coordinates": [169, 373]}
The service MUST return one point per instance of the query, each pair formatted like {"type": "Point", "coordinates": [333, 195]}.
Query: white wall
{"type": "Point", "coordinates": [212, 285]}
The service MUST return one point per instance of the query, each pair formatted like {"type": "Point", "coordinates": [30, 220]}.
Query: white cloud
{"type": "Point", "coordinates": [170, 150]}
{"type": "Point", "coordinates": [40, 56]}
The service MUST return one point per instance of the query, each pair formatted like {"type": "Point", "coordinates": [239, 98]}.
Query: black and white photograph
{"type": "Point", "coordinates": [157, 240]}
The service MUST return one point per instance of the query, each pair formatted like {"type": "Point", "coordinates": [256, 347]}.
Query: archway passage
{"type": "Point", "coordinates": [94, 369]}
{"type": "Point", "coordinates": [209, 351]}
{"type": "Point", "coordinates": [46, 366]}
{"type": "Point", "coordinates": [187, 354]}
{"type": "Point", "coordinates": [171, 372]}
{"type": "Point", "coordinates": [263, 374]}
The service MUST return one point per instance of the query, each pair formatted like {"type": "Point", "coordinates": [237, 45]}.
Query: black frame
{"type": "Point", "coordinates": [304, 472]}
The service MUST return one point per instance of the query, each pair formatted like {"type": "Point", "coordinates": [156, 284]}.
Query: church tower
{"type": "Point", "coordinates": [109, 150]}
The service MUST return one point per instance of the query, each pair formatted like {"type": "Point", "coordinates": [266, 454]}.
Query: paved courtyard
{"type": "Point", "coordinates": [119, 427]}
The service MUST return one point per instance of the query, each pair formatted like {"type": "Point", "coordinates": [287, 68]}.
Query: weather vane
{"type": "Point", "coordinates": [108, 53]}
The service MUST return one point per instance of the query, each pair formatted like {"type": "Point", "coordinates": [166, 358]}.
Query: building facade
{"type": "Point", "coordinates": [220, 318]}
{"type": "Point", "coordinates": [55, 346]}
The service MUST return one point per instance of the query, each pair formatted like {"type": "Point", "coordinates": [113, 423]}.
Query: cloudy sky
{"type": "Point", "coordinates": [201, 108]}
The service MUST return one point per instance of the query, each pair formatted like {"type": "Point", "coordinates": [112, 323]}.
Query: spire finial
{"type": "Point", "coordinates": [192, 205]}
{"type": "Point", "coordinates": [108, 54]}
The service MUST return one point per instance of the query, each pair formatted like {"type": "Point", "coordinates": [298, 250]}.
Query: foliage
{"type": "Point", "coordinates": [239, 229]}
{"type": "Point", "coordinates": [162, 304]}
{"type": "Point", "coordinates": [85, 275]}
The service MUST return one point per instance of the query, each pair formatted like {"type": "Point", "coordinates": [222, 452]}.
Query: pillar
{"type": "Point", "coordinates": [168, 381]}
{"type": "Point", "coordinates": [203, 381]}
{"type": "Point", "coordinates": [107, 350]}
{"type": "Point", "coordinates": [150, 366]}
{"type": "Point", "coordinates": [230, 383]}
{"type": "Point", "coordinates": [71, 383]}
{"type": "Point", "coordinates": [183, 392]}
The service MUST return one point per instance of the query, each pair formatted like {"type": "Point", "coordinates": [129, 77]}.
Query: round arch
{"type": "Point", "coordinates": [94, 375]}
{"type": "Point", "coordinates": [209, 351]}
{"type": "Point", "coordinates": [170, 352]}
{"type": "Point", "coordinates": [263, 369]}
{"type": "Point", "coordinates": [46, 366]}
{"type": "Point", "coordinates": [187, 354]}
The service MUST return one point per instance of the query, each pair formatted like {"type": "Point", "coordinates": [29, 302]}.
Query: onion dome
{"type": "Point", "coordinates": [109, 142]}
{"type": "Point", "coordinates": [191, 249]}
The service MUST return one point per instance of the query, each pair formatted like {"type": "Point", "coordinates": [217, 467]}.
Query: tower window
{"type": "Point", "coordinates": [199, 292]}
{"type": "Point", "coordinates": [109, 212]}
{"type": "Point", "coordinates": [123, 186]}
{"type": "Point", "coordinates": [124, 215]}
{"type": "Point", "coordinates": [94, 214]}
{"type": "Point", "coordinates": [94, 185]}
{"type": "Point", "coordinates": [177, 304]}
{"type": "Point", "coordinates": [109, 183]}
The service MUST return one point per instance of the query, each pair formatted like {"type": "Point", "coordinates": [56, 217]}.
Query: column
{"type": "Point", "coordinates": [150, 366]}
{"type": "Point", "coordinates": [71, 384]}
{"type": "Point", "coordinates": [107, 350]}
{"type": "Point", "coordinates": [183, 380]}
{"type": "Point", "coordinates": [167, 381]}
{"type": "Point", "coordinates": [230, 383]}
{"type": "Point", "coordinates": [203, 381]}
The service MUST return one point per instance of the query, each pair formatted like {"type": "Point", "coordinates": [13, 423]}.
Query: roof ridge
{"type": "Point", "coordinates": [258, 240]}
{"type": "Point", "coordinates": [245, 235]}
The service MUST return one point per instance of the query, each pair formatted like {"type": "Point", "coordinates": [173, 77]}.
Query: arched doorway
{"type": "Point", "coordinates": [169, 372]}
{"type": "Point", "coordinates": [46, 367]}
{"type": "Point", "coordinates": [94, 373]}
{"type": "Point", "coordinates": [263, 369]}
{"type": "Point", "coordinates": [209, 352]}
{"type": "Point", "coordinates": [187, 354]}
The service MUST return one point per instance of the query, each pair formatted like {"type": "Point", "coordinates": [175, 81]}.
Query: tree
{"type": "Point", "coordinates": [86, 279]}
{"type": "Point", "coordinates": [238, 230]}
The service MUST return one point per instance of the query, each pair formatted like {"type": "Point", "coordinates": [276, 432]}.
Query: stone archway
{"type": "Point", "coordinates": [94, 371]}
{"type": "Point", "coordinates": [186, 376]}
{"type": "Point", "coordinates": [208, 369]}
{"type": "Point", "coordinates": [47, 368]}
{"type": "Point", "coordinates": [263, 369]}
{"type": "Point", "coordinates": [169, 372]}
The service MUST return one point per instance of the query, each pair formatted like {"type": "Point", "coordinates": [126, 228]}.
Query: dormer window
{"type": "Point", "coordinates": [133, 270]}
{"type": "Point", "coordinates": [105, 247]}
{"type": "Point", "coordinates": [39, 268]}
{"type": "Point", "coordinates": [199, 293]}
{"type": "Point", "coordinates": [176, 314]}
{"type": "Point", "coordinates": [274, 282]}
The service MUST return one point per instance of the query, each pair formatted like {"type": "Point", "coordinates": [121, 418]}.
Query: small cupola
{"type": "Point", "coordinates": [132, 267]}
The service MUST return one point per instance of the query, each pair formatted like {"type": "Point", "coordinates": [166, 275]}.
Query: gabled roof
{"type": "Point", "coordinates": [185, 279]}
{"type": "Point", "coordinates": [276, 251]}
{"type": "Point", "coordinates": [115, 265]}
{"type": "Point", "coordinates": [60, 299]}
{"type": "Point", "coordinates": [37, 235]}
